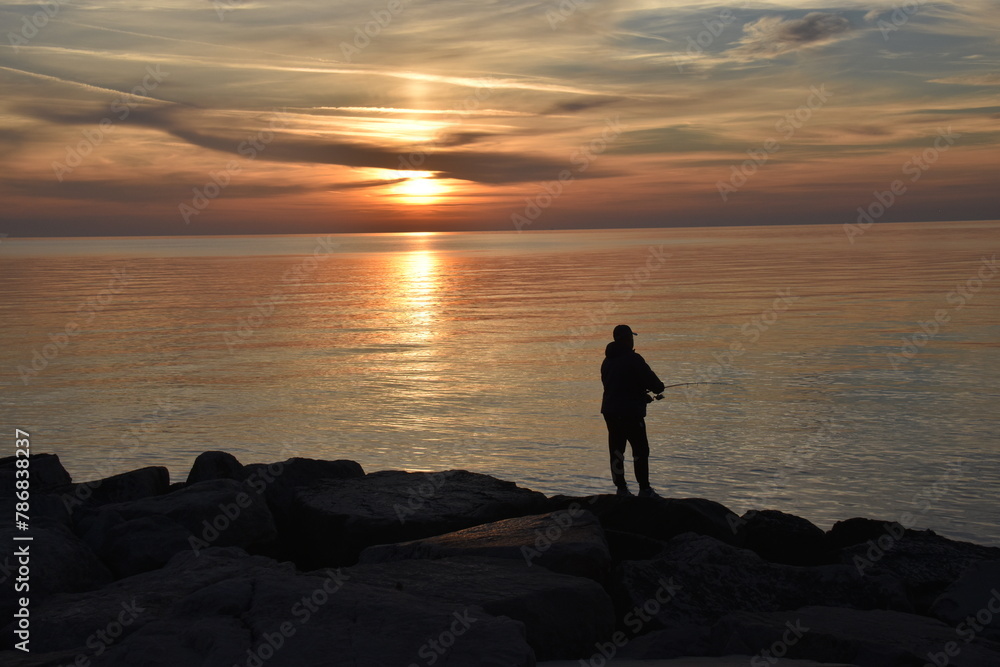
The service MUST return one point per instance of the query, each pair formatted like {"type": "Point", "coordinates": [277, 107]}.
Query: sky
{"type": "Point", "coordinates": [250, 117]}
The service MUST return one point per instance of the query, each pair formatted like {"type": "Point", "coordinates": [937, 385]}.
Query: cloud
{"type": "Point", "coordinates": [668, 140]}
{"type": "Point", "coordinates": [360, 185]}
{"type": "Point", "coordinates": [170, 190]}
{"type": "Point", "coordinates": [11, 140]}
{"type": "Point", "coordinates": [285, 145]}
{"type": "Point", "coordinates": [577, 105]}
{"type": "Point", "coordinates": [773, 36]}
{"type": "Point", "coordinates": [462, 138]}
{"type": "Point", "coordinates": [982, 79]}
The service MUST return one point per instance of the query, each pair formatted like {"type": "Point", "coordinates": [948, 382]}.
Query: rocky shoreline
{"type": "Point", "coordinates": [307, 562]}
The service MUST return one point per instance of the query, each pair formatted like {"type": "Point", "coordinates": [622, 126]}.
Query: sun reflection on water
{"type": "Point", "coordinates": [419, 284]}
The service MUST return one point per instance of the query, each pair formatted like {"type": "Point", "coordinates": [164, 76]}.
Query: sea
{"type": "Point", "coordinates": [845, 372]}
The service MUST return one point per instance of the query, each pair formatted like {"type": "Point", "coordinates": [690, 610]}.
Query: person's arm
{"type": "Point", "coordinates": [649, 380]}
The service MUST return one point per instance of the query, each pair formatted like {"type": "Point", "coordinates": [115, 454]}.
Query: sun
{"type": "Point", "coordinates": [420, 187]}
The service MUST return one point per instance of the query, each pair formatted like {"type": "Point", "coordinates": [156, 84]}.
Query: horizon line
{"type": "Point", "coordinates": [7, 237]}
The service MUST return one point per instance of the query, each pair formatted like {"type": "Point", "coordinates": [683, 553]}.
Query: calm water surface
{"type": "Point", "coordinates": [481, 351]}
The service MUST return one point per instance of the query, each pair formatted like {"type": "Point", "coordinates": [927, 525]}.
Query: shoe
{"type": "Point", "coordinates": [648, 493]}
{"type": "Point", "coordinates": [623, 492]}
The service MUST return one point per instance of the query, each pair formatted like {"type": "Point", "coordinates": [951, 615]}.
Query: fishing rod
{"type": "Point", "coordinates": [683, 384]}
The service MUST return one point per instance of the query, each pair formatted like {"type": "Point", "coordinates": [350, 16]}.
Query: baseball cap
{"type": "Point", "coordinates": [623, 332]}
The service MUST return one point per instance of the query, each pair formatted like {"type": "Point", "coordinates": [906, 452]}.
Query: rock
{"type": "Point", "coordinates": [564, 616]}
{"type": "Point", "coordinates": [299, 472]}
{"type": "Point", "coordinates": [215, 465]}
{"type": "Point", "coordinates": [629, 546]}
{"type": "Point", "coordinates": [355, 625]}
{"type": "Point", "coordinates": [712, 579]}
{"type": "Point", "coordinates": [874, 638]}
{"type": "Point", "coordinates": [657, 518]}
{"type": "Point", "coordinates": [125, 487]}
{"type": "Point", "coordinates": [139, 545]}
{"type": "Point", "coordinates": [280, 483]}
{"type": "Point", "coordinates": [973, 601]}
{"type": "Point", "coordinates": [784, 538]}
{"type": "Point", "coordinates": [208, 641]}
{"type": "Point", "coordinates": [568, 541]}
{"type": "Point", "coordinates": [213, 513]}
{"type": "Point", "coordinates": [15, 658]}
{"type": "Point", "coordinates": [925, 562]}
{"type": "Point", "coordinates": [46, 474]}
{"type": "Point", "coordinates": [59, 561]}
{"type": "Point", "coordinates": [342, 517]}
{"type": "Point", "coordinates": [222, 608]}
{"type": "Point", "coordinates": [48, 508]}
{"type": "Point", "coordinates": [858, 531]}
{"type": "Point", "coordinates": [679, 640]}
{"type": "Point", "coordinates": [66, 622]}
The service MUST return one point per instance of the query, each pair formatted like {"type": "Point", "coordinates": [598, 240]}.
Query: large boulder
{"type": "Point", "coordinates": [629, 546]}
{"type": "Point", "coordinates": [121, 488]}
{"type": "Point", "coordinates": [211, 513]}
{"type": "Point", "coordinates": [972, 603]}
{"type": "Point", "coordinates": [342, 517]}
{"type": "Point", "coordinates": [281, 482]}
{"type": "Point", "coordinates": [712, 579]}
{"type": "Point", "coordinates": [57, 561]}
{"type": "Point", "coordinates": [215, 465]}
{"type": "Point", "coordinates": [569, 541]}
{"type": "Point", "coordinates": [784, 538]}
{"type": "Point", "coordinates": [138, 545]}
{"type": "Point", "coordinates": [657, 518]}
{"type": "Point", "coordinates": [283, 476]}
{"type": "Point", "coordinates": [68, 621]}
{"type": "Point", "coordinates": [46, 473]}
{"type": "Point", "coordinates": [874, 638]}
{"type": "Point", "coordinates": [924, 561]}
{"type": "Point", "coordinates": [859, 530]}
{"type": "Point", "coordinates": [564, 616]}
{"type": "Point", "coordinates": [222, 608]}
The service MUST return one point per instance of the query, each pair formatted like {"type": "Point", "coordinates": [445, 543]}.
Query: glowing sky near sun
{"type": "Point", "coordinates": [239, 116]}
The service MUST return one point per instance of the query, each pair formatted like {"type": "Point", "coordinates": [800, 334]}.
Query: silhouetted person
{"type": "Point", "coordinates": [626, 378]}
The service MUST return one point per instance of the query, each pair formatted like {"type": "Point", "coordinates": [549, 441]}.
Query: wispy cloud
{"type": "Point", "coordinates": [773, 36]}
{"type": "Point", "coordinates": [982, 79]}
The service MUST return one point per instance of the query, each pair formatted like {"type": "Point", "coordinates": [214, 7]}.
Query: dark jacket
{"type": "Point", "coordinates": [626, 377]}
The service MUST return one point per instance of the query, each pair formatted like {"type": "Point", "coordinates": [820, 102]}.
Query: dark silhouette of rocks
{"type": "Point", "coordinates": [223, 607]}
{"type": "Point", "coordinates": [345, 516]}
{"type": "Point", "coordinates": [60, 562]}
{"type": "Point", "coordinates": [306, 562]}
{"type": "Point", "coordinates": [144, 534]}
{"type": "Point", "coordinates": [280, 483]}
{"type": "Point", "coordinates": [784, 538]}
{"type": "Point", "coordinates": [567, 541]}
{"type": "Point", "coordinates": [875, 638]}
{"type": "Point", "coordinates": [563, 615]}
{"type": "Point", "coordinates": [923, 561]}
{"type": "Point", "coordinates": [121, 488]}
{"type": "Point", "coordinates": [47, 473]}
{"type": "Point", "coordinates": [978, 588]}
{"type": "Point", "coordinates": [661, 519]}
{"type": "Point", "coordinates": [723, 578]}
{"type": "Point", "coordinates": [215, 465]}
{"type": "Point", "coordinates": [300, 472]}
{"type": "Point", "coordinates": [859, 530]}
{"type": "Point", "coordinates": [131, 546]}
{"type": "Point", "coordinates": [629, 546]}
